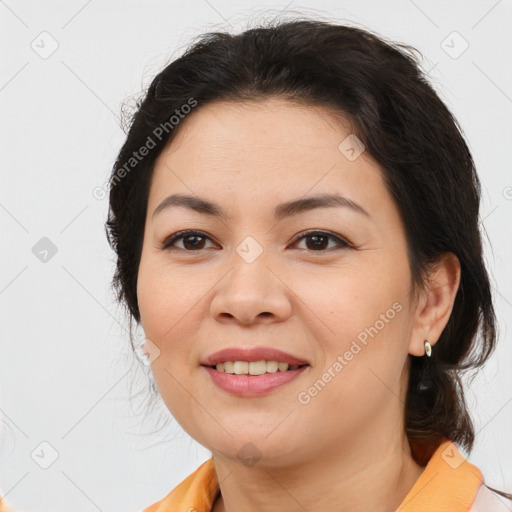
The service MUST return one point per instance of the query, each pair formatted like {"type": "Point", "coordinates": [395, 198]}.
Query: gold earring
{"type": "Point", "coordinates": [428, 348]}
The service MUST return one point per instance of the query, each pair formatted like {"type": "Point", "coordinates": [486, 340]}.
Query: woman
{"type": "Point", "coordinates": [295, 217]}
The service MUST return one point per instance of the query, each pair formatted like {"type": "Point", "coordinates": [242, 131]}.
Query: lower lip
{"type": "Point", "coordinates": [253, 385]}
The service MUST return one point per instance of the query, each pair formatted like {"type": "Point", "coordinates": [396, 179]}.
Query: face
{"type": "Point", "coordinates": [328, 284]}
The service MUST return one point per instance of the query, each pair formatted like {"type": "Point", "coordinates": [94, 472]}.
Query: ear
{"type": "Point", "coordinates": [435, 303]}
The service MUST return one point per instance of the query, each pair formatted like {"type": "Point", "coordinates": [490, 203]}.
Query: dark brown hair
{"type": "Point", "coordinates": [379, 88]}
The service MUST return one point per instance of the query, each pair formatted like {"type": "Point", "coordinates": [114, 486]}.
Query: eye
{"type": "Point", "coordinates": [189, 237]}
{"type": "Point", "coordinates": [194, 240]}
{"type": "Point", "coordinates": [318, 239]}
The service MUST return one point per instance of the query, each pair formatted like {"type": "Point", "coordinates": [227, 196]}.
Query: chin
{"type": "Point", "coordinates": [258, 449]}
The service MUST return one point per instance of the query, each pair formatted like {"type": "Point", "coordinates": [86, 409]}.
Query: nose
{"type": "Point", "coordinates": [251, 292]}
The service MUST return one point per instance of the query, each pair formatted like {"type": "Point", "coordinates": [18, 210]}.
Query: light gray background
{"type": "Point", "coordinates": [66, 370]}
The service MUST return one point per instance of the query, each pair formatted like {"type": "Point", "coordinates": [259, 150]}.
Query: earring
{"type": "Point", "coordinates": [428, 348]}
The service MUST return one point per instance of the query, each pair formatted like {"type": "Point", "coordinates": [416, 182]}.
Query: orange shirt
{"type": "Point", "coordinates": [449, 483]}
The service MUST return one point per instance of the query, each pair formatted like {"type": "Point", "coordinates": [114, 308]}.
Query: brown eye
{"type": "Point", "coordinates": [319, 241]}
{"type": "Point", "coordinates": [316, 241]}
{"type": "Point", "coordinates": [192, 240]}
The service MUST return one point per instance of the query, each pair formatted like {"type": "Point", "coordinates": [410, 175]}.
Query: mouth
{"type": "Point", "coordinates": [253, 371]}
{"type": "Point", "coordinates": [251, 378]}
{"type": "Point", "coordinates": [252, 360]}
{"type": "Point", "coordinates": [254, 368]}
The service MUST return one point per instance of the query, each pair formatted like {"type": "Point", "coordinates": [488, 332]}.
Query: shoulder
{"type": "Point", "coordinates": [197, 491]}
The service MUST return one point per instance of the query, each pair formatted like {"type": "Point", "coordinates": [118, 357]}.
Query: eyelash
{"type": "Point", "coordinates": [343, 244]}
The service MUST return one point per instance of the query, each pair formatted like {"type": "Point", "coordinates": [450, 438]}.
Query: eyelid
{"type": "Point", "coordinates": [182, 234]}
{"type": "Point", "coordinates": [342, 242]}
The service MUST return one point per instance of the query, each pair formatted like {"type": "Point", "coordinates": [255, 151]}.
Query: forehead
{"type": "Point", "coordinates": [264, 150]}
{"type": "Point", "coordinates": [275, 124]}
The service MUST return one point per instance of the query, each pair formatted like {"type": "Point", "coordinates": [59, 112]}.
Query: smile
{"type": "Point", "coordinates": [254, 384]}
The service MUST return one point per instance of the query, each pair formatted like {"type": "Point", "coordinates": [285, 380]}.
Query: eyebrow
{"type": "Point", "coordinates": [281, 211]}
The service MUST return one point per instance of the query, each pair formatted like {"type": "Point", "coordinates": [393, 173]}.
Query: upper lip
{"type": "Point", "coordinates": [251, 355]}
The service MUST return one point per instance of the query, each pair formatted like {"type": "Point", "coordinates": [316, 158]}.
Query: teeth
{"type": "Point", "coordinates": [272, 366]}
{"type": "Point", "coordinates": [283, 367]}
{"type": "Point", "coordinates": [240, 367]}
{"type": "Point", "coordinates": [253, 367]}
{"type": "Point", "coordinates": [257, 367]}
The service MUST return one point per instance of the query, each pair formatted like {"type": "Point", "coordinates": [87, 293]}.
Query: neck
{"type": "Point", "coordinates": [375, 475]}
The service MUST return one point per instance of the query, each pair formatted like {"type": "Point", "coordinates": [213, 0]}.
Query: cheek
{"type": "Point", "coordinates": [166, 298]}
{"type": "Point", "coordinates": [363, 357]}
{"type": "Point", "coordinates": [166, 305]}
{"type": "Point", "coordinates": [350, 299]}
{"type": "Point", "coordinates": [151, 297]}
{"type": "Point", "coordinates": [367, 319]}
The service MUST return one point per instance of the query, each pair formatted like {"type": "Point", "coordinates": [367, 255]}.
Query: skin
{"type": "Point", "coordinates": [345, 450]}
